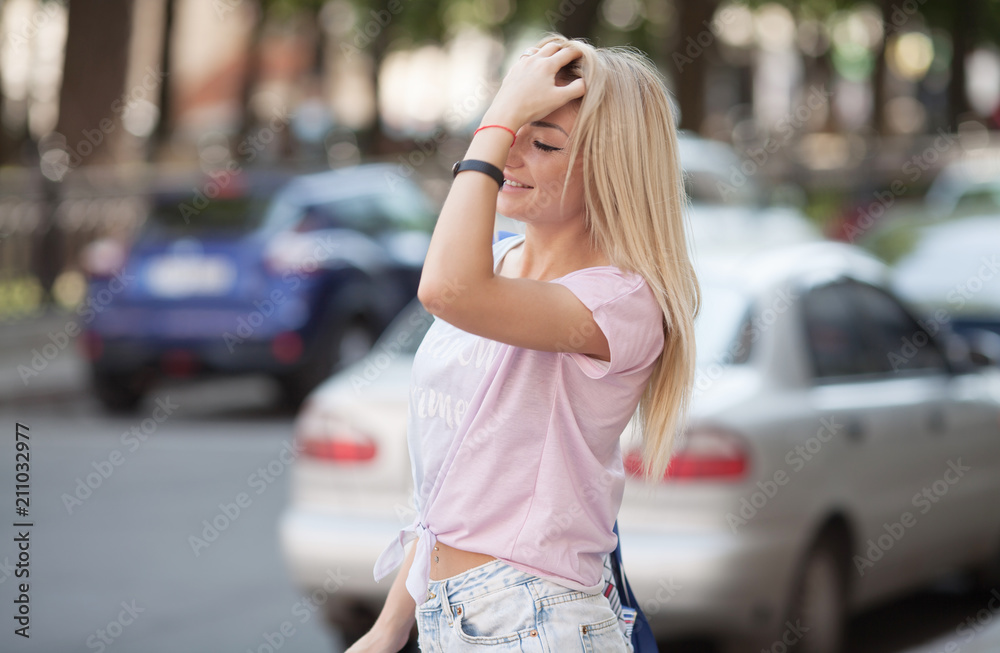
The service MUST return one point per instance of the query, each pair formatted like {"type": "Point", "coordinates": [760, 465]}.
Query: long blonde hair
{"type": "Point", "coordinates": [636, 215]}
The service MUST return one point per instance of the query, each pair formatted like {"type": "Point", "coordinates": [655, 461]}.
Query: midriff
{"type": "Point", "coordinates": [447, 561]}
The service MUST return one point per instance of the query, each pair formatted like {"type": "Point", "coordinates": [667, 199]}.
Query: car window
{"type": "Point", "coordinates": [405, 209]}
{"type": "Point", "coordinates": [834, 333]}
{"type": "Point", "coordinates": [369, 214]}
{"type": "Point", "coordinates": [359, 212]}
{"type": "Point", "coordinates": [898, 342]}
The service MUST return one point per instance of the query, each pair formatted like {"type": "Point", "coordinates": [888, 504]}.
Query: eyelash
{"type": "Point", "coordinates": [546, 148]}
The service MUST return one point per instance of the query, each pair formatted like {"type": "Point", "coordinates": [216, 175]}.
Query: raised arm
{"type": "Point", "coordinates": [458, 283]}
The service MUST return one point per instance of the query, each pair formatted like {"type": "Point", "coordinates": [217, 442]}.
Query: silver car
{"type": "Point", "coordinates": [836, 456]}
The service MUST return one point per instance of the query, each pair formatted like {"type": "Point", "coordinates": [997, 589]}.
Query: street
{"type": "Point", "coordinates": [129, 541]}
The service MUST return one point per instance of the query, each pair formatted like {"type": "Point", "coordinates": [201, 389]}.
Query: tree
{"type": "Point", "coordinates": [692, 61]}
{"type": "Point", "coordinates": [90, 106]}
{"type": "Point", "coordinates": [90, 102]}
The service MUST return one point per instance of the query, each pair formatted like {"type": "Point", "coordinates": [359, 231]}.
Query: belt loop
{"type": "Point", "coordinates": [442, 592]}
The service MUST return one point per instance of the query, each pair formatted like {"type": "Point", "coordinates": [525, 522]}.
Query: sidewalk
{"type": "Point", "coordinates": [38, 361]}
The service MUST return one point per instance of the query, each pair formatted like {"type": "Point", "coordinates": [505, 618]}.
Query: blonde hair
{"type": "Point", "coordinates": [636, 215]}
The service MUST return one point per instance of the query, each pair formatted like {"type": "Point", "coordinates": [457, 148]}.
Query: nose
{"type": "Point", "coordinates": [515, 155]}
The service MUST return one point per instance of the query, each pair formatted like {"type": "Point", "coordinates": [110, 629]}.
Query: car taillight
{"type": "Point", "coordinates": [91, 346]}
{"type": "Point", "coordinates": [326, 437]}
{"type": "Point", "coordinates": [287, 347]}
{"type": "Point", "coordinates": [340, 450]}
{"type": "Point", "coordinates": [708, 453]}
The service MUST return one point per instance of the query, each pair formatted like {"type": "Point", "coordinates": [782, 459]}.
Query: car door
{"type": "Point", "coordinates": [958, 503]}
{"type": "Point", "coordinates": [947, 438]}
{"type": "Point", "coordinates": [884, 416]}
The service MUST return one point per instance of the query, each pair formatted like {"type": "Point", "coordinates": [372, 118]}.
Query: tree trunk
{"type": "Point", "coordinates": [963, 19]}
{"type": "Point", "coordinates": [91, 101]}
{"type": "Point", "coordinates": [165, 125]}
{"type": "Point", "coordinates": [580, 22]}
{"type": "Point", "coordinates": [251, 76]}
{"type": "Point", "coordinates": [690, 59]}
{"type": "Point", "coordinates": [9, 150]}
{"type": "Point", "coordinates": [878, 79]}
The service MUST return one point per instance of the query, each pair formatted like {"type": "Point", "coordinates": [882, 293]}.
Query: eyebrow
{"type": "Point", "coordinates": [550, 125]}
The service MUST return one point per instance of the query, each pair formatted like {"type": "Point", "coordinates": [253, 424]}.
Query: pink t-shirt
{"type": "Point", "coordinates": [515, 452]}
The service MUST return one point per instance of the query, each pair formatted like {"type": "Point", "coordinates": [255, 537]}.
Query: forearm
{"type": "Point", "coordinates": [460, 257]}
{"type": "Point", "coordinates": [398, 611]}
{"type": "Point", "coordinates": [395, 621]}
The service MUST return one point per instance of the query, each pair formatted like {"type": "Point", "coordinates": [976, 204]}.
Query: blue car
{"type": "Point", "coordinates": [294, 286]}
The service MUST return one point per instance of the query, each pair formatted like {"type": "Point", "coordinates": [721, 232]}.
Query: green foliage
{"type": "Point", "coordinates": [283, 9]}
{"type": "Point", "coordinates": [421, 20]}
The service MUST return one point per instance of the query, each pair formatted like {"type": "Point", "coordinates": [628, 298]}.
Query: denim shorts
{"type": "Point", "coordinates": [497, 607]}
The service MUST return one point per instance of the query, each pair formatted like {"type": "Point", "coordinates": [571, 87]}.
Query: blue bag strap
{"type": "Point", "coordinates": [643, 640]}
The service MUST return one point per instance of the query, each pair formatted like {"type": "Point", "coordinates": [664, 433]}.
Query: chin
{"type": "Point", "coordinates": [513, 210]}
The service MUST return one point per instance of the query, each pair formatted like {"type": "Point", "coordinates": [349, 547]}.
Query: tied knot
{"type": "Point", "coordinates": [394, 554]}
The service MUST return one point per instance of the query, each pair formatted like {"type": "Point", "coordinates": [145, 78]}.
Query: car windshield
{"type": "Point", "coordinates": [185, 215]}
{"type": "Point", "coordinates": [948, 264]}
{"type": "Point", "coordinates": [372, 213]}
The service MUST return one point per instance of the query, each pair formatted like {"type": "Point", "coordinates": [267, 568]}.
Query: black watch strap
{"type": "Point", "coordinates": [479, 166]}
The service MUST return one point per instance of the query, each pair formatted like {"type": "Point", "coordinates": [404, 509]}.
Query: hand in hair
{"type": "Point", "coordinates": [530, 92]}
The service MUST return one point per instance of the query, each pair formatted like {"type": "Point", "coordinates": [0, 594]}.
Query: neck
{"type": "Point", "coordinates": [551, 251]}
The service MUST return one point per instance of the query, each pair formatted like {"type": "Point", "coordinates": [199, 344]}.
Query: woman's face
{"type": "Point", "coordinates": [537, 165]}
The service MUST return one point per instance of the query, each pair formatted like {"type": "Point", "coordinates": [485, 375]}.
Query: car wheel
{"type": "Point", "coordinates": [987, 576]}
{"type": "Point", "coordinates": [118, 393]}
{"type": "Point", "coordinates": [817, 613]}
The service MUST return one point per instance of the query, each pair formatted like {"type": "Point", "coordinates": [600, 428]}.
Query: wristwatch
{"type": "Point", "coordinates": [478, 166]}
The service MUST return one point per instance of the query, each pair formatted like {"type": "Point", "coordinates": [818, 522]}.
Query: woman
{"type": "Point", "coordinates": [542, 350]}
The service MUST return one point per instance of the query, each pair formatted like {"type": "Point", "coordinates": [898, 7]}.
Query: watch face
{"type": "Point", "coordinates": [454, 168]}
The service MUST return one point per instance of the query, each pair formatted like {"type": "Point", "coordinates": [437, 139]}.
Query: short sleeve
{"type": "Point", "coordinates": [628, 314]}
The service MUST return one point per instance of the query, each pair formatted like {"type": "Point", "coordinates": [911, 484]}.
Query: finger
{"type": "Point", "coordinates": [566, 54]}
{"type": "Point", "coordinates": [529, 52]}
{"type": "Point", "coordinates": [573, 90]}
{"type": "Point", "coordinates": [549, 48]}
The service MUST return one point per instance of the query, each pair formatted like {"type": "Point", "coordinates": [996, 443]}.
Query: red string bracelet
{"type": "Point", "coordinates": [499, 126]}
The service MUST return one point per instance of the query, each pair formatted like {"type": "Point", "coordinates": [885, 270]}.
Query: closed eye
{"type": "Point", "coordinates": [546, 148]}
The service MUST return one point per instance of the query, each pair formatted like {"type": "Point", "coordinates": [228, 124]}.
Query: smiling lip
{"type": "Point", "coordinates": [515, 181]}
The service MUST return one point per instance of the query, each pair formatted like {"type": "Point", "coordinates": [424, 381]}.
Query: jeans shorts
{"type": "Point", "coordinates": [499, 608]}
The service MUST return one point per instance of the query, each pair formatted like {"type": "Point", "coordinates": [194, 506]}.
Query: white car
{"type": "Point", "coordinates": [835, 457]}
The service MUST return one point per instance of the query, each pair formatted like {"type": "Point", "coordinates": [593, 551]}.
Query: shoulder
{"type": "Point", "coordinates": [600, 286]}
{"type": "Point", "coordinates": [627, 312]}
